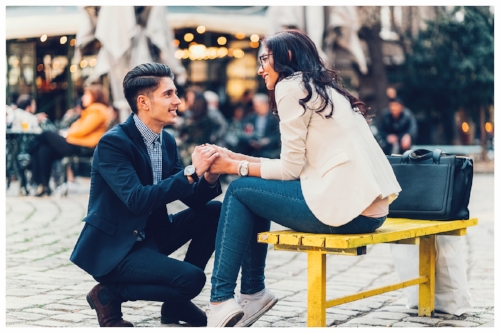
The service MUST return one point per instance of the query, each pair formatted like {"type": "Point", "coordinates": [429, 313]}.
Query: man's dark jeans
{"type": "Point", "coordinates": [147, 273]}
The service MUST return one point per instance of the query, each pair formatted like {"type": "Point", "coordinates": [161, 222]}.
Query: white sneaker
{"type": "Point", "coordinates": [225, 314]}
{"type": "Point", "coordinates": [254, 306]}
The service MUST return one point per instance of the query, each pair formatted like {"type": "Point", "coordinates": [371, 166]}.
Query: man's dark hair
{"type": "Point", "coordinates": [23, 101]}
{"type": "Point", "coordinates": [142, 80]}
{"type": "Point", "coordinates": [396, 100]}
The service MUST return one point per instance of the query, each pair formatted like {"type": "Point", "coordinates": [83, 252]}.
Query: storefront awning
{"type": "Point", "coordinates": [34, 21]}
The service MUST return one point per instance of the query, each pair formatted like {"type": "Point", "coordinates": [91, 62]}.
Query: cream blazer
{"type": "Point", "coordinates": [341, 167]}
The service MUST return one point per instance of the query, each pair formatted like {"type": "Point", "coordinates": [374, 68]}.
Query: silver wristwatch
{"type": "Point", "coordinates": [191, 171]}
{"type": "Point", "coordinates": [243, 169]}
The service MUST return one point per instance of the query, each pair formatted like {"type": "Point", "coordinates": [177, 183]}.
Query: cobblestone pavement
{"type": "Point", "coordinates": [44, 289]}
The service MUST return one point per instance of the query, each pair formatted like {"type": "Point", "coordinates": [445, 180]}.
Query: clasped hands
{"type": "Point", "coordinates": [212, 161]}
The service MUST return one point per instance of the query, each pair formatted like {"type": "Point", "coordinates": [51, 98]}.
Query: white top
{"type": "Point", "coordinates": [18, 116]}
{"type": "Point", "coordinates": [341, 167]}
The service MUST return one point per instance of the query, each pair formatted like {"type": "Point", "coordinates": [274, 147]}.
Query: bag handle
{"type": "Point", "coordinates": [422, 155]}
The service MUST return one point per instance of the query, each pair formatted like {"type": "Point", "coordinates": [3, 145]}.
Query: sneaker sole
{"type": "Point", "coordinates": [233, 319]}
{"type": "Point", "coordinates": [251, 320]}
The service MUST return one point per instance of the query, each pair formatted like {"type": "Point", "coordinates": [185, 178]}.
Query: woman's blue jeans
{"type": "Point", "coordinates": [249, 207]}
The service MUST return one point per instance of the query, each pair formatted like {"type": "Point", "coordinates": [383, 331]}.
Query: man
{"type": "Point", "coordinates": [261, 137]}
{"type": "Point", "coordinates": [216, 115]}
{"type": "Point", "coordinates": [397, 128]}
{"type": "Point", "coordinates": [128, 233]}
{"type": "Point", "coordinates": [22, 117]}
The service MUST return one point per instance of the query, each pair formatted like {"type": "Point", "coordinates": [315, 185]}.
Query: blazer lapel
{"type": "Point", "coordinates": [135, 135]}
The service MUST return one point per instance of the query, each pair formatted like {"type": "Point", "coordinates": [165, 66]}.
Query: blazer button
{"type": "Point", "coordinates": [136, 232]}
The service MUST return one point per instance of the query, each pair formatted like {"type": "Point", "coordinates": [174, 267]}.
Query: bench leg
{"type": "Point", "coordinates": [427, 263]}
{"type": "Point", "coordinates": [316, 291]}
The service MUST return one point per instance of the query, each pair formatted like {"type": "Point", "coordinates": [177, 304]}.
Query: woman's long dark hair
{"type": "Point", "coordinates": [305, 59]}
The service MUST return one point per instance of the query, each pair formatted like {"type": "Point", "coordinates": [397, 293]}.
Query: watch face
{"type": "Point", "coordinates": [244, 170]}
{"type": "Point", "coordinates": [189, 170]}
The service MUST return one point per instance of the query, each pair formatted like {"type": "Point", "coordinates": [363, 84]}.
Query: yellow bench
{"type": "Point", "coordinates": [401, 231]}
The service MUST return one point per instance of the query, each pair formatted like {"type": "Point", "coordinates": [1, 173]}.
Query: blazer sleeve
{"type": "Point", "coordinates": [115, 165]}
{"type": "Point", "coordinates": [294, 123]}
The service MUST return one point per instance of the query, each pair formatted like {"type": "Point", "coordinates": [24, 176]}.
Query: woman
{"type": "Point", "coordinates": [83, 133]}
{"type": "Point", "coordinates": [332, 176]}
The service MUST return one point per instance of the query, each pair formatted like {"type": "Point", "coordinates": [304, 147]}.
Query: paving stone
{"type": "Point", "coordinates": [335, 319]}
{"type": "Point", "coordinates": [407, 324]}
{"type": "Point", "coordinates": [63, 307]}
{"type": "Point", "coordinates": [457, 323]}
{"type": "Point", "coordinates": [401, 309]}
{"type": "Point", "coordinates": [424, 320]}
{"type": "Point", "coordinates": [372, 321]}
{"type": "Point", "coordinates": [72, 317]}
{"type": "Point", "coordinates": [342, 311]}
{"type": "Point", "coordinates": [28, 316]}
{"type": "Point", "coordinates": [387, 315]}
{"type": "Point", "coordinates": [51, 323]}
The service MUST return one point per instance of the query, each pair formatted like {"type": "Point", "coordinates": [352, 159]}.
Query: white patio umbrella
{"type": "Point", "coordinates": [316, 20]}
{"type": "Point", "coordinates": [124, 45]}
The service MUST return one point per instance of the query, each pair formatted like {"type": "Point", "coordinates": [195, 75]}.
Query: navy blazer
{"type": "Point", "coordinates": [122, 196]}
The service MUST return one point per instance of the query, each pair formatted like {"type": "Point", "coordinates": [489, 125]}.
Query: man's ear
{"type": "Point", "coordinates": [143, 102]}
{"type": "Point", "coordinates": [290, 55]}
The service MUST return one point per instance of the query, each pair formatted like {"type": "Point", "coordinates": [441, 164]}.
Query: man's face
{"type": "Point", "coordinates": [260, 107]}
{"type": "Point", "coordinates": [163, 103]}
{"type": "Point", "coordinates": [396, 109]}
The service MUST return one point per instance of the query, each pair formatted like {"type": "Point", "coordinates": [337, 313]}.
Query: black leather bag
{"type": "Point", "coordinates": [434, 185]}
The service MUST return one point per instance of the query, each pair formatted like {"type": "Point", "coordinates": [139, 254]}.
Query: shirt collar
{"type": "Point", "coordinates": [148, 135]}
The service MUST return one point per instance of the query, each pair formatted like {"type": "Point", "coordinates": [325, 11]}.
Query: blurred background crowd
{"type": "Point", "coordinates": [426, 72]}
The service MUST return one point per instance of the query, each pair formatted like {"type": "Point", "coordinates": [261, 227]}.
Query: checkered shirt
{"type": "Point", "coordinates": [153, 145]}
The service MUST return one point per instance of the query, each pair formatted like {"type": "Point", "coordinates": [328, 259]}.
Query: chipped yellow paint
{"type": "Point", "coordinates": [266, 237]}
{"type": "Point", "coordinates": [313, 240]}
{"type": "Point", "coordinates": [290, 239]}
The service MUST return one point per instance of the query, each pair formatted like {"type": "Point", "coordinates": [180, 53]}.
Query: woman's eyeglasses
{"type": "Point", "coordinates": [263, 58]}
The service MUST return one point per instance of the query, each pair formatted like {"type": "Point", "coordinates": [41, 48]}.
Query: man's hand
{"type": "Point", "coordinates": [392, 138]}
{"type": "Point", "coordinates": [41, 117]}
{"type": "Point", "coordinates": [406, 142]}
{"type": "Point", "coordinates": [203, 157]}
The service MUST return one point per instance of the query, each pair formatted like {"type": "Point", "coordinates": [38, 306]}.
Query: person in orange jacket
{"type": "Point", "coordinates": [83, 133]}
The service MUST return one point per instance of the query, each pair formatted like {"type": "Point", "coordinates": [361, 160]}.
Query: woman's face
{"type": "Point", "coordinates": [267, 71]}
{"type": "Point", "coordinates": [87, 98]}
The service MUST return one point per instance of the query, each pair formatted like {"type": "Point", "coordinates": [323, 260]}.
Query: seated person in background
{"type": "Point", "coordinates": [235, 129]}
{"type": "Point", "coordinates": [198, 127]}
{"type": "Point", "coordinates": [217, 116]}
{"type": "Point", "coordinates": [261, 136]}
{"type": "Point", "coordinates": [397, 128]}
{"type": "Point", "coordinates": [22, 117]}
{"type": "Point", "coordinates": [83, 133]}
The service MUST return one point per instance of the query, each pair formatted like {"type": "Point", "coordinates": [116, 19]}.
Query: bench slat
{"type": "Point", "coordinates": [392, 230]}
